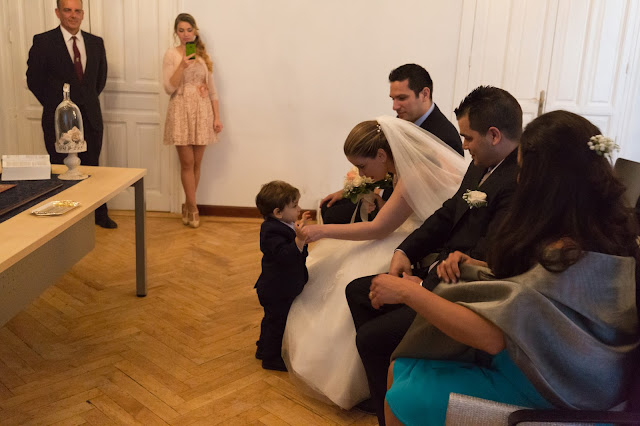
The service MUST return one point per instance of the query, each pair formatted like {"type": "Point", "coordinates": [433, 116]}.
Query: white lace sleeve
{"type": "Point", "coordinates": [170, 63]}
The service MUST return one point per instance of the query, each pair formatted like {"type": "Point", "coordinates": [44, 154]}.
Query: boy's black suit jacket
{"type": "Point", "coordinates": [284, 272]}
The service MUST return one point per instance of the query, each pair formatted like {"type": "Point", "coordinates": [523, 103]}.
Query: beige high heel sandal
{"type": "Point", "coordinates": [194, 219]}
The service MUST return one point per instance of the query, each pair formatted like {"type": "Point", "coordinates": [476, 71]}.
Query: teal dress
{"type": "Point", "coordinates": [420, 391]}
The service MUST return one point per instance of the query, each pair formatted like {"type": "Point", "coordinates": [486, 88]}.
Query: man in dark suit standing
{"type": "Point", "coordinates": [411, 89]}
{"type": "Point", "coordinates": [68, 55]}
{"type": "Point", "coordinates": [490, 121]}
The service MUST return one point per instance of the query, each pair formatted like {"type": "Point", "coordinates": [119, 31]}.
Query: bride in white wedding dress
{"type": "Point", "coordinates": [319, 340]}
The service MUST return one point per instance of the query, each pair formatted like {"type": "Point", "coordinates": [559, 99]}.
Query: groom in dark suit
{"type": "Point", "coordinates": [68, 55]}
{"type": "Point", "coordinates": [411, 89]}
{"type": "Point", "coordinates": [490, 121]}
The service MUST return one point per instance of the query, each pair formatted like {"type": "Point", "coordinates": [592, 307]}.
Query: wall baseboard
{"type": "Point", "coordinates": [235, 211]}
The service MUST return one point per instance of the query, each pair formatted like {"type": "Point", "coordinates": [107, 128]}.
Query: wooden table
{"type": "Point", "coordinates": [36, 251]}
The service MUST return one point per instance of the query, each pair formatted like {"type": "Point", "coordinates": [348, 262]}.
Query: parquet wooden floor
{"type": "Point", "coordinates": [88, 351]}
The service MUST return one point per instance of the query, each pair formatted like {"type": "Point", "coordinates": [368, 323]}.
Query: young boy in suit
{"type": "Point", "coordinates": [284, 272]}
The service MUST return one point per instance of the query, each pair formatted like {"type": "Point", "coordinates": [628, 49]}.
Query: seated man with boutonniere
{"type": "Point", "coordinates": [490, 122]}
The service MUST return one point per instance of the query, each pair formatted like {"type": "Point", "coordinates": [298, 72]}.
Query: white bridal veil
{"type": "Point", "coordinates": [430, 169]}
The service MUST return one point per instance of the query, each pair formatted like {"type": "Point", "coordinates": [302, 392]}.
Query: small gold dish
{"type": "Point", "coordinates": [55, 208]}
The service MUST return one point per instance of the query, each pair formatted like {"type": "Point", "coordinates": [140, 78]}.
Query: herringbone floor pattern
{"type": "Point", "coordinates": [88, 351]}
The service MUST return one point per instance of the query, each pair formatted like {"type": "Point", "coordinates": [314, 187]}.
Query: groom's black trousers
{"type": "Point", "coordinates": [379, 331]}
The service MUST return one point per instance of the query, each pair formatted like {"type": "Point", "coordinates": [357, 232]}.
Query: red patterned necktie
{"type": "Point", "coordinates": [77, 62]}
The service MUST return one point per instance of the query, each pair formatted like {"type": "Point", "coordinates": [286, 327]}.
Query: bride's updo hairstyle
{"type": "Point", "coordinates": [365, 140]}
{"type": "Point", "coordinates": [567, 201]}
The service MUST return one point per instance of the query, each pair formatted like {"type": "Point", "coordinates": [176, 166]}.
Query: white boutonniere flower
{"type": "Point", "coordinates": [475, 198]}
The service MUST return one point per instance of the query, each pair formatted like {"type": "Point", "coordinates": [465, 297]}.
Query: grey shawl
{"type": "Point", "coordinates": [574, 334]}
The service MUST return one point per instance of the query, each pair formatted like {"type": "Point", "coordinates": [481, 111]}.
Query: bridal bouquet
{"type": "Point", "coordinates": [356, 186]}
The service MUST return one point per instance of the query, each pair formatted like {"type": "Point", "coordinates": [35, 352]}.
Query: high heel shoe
{"type": "Point", "coordinates": [185, 215]}
{"type": "Point", "coordinates": [194, 219]}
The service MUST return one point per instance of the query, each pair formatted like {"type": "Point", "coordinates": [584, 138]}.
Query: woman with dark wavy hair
{"type": "Point", "coordinates": [193, 116]}
{"type": "Point", "coordinates": [559, 314]}
{"type": "Point", "coordinates": [565, 192]}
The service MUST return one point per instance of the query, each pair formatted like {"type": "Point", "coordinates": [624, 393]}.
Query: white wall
{"type": "Point", "coordinates": [295, 76]}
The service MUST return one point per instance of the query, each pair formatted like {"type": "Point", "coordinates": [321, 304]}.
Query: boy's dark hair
{"type": "Point", "coordinates": [276, 194]}
{"type": "Point", "coordinates": [418, 78]}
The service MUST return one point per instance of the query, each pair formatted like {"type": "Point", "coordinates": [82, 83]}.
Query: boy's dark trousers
{"type": "Point", "coordinates": [276, 311]}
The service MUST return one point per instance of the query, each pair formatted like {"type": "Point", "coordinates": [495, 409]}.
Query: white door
{"type": "Point", "coordinates": [590, 71]}
{"type": "Point", "coordinates": [8, 127]}
{"type": "Point", "coordinates": [552, 54]}
{"type": "Point", "coordinates": [491, 49]}
{"type": "Point", "coordinates": [136, 34]}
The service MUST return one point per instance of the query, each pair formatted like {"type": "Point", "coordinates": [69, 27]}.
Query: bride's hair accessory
{"type": "Point", "coordinates": [475, 198]}
{"type": "Point", "coordinates": [602, 145]}
{"type": "Point", "coordinates": [365, 139]}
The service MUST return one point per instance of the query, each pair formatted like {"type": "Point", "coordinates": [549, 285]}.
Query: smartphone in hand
{"type": "Point", "coordinates": [190, 48]}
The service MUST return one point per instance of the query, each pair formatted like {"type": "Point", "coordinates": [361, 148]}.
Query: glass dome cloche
{"type": "Point", "coordinates": [70, 135]}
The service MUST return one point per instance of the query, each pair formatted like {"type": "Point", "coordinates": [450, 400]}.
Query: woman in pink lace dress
{"type": "Point", "coordinates": [193, 118]}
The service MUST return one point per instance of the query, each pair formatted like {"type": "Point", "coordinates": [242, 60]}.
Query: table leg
{"type": "Point", "coordinates": [141, 244]}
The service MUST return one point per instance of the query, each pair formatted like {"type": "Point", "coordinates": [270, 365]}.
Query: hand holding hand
{"type": "Point", "coordinates": [299, 226]}
{"type": "Point", "coordinates": [388, 289]}
{"type": "Point", "coordinates": [314, 233]}
{"type": "Point", "coordinates": [332, 198]}
{"type": "Point", "coordinates": [449, 269]}
{"type": "Point", "coordinates": [369, 206]}
{"type": "Point", "coordinates": [379, 200]}
{"type": "Point", "coordinates": [400, 264]}
{"type": "Point", "coordinates": [302, 222]}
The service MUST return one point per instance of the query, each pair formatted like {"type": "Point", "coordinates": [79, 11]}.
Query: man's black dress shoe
{"type": "Point", "coordinates": [274, 364]}
{"type": "Point", "coordinates": [106, 222]}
